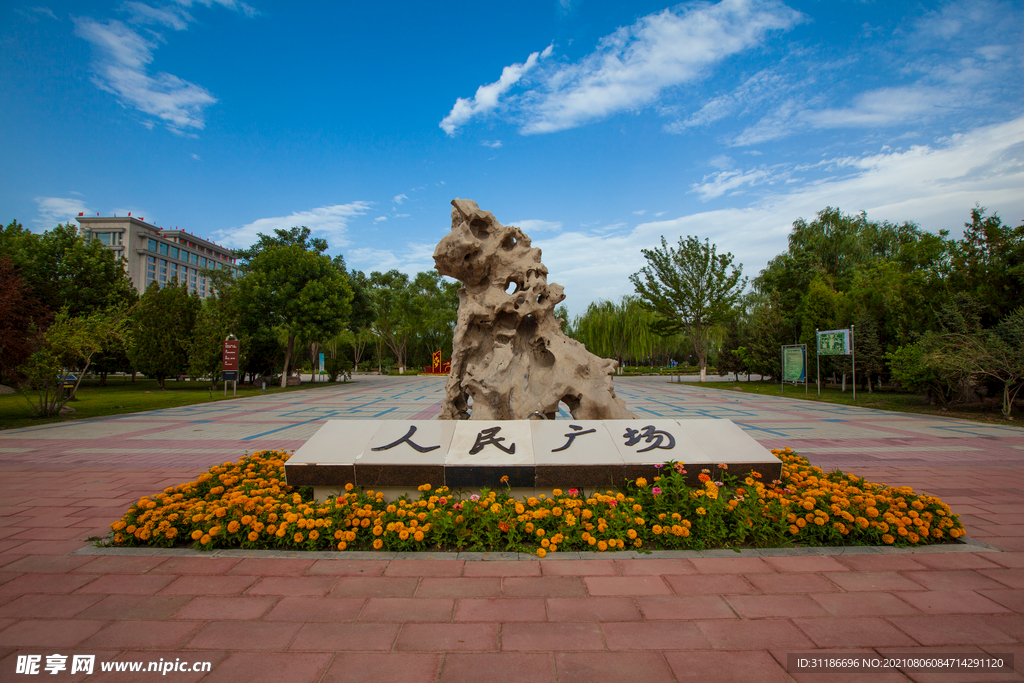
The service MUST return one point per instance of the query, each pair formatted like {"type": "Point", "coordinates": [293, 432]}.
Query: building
{"type": "Point", "coordinates": [152, 254]}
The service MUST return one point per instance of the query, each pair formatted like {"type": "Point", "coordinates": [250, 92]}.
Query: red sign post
{"type": "Point", "coordinates": [230, 363]}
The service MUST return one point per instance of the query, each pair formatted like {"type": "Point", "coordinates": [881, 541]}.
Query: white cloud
{"type": "Point", "coordinates": [122, 57]}
{"type": "Point", "coordinates": [934, 185]}
{"type": "Point", "coordinates": [492, 144]}
{"type": "Point", "coordinates": [660, 214]}
{"type": "Point", "coordinates": [196, 156]}
{"type": "Point", "coordinates": [886, 106]}
{"type": "Point", "coordinates": [487, 96]}
{"type": "Point", "coordinates": [530, 226]}
{"type": "Point", "coordinates": [33, 13]}
{"type": "Point", "coordinates": [641, 212]}
{"type": "Point", "coordinates": [723, 182]}
{"type": "Point", "coordinates": [380, 219]}
{"type": "Point", "coordinates": [401, 215]}
{"type": "Point", "coordinates": [415, 258]}
{"type": "Point", "coordinates": [761, 86]}
{"type": "Point", "coordinates": [54, 210]}
{"type": "Point", "coordinates": [172, 17]}
{"type": "Point", "coordinates": [633, 66]}
{"type": "Point", "coordinates": [400, 198]}
{"type": "Point", "coordinates": [330, 222]}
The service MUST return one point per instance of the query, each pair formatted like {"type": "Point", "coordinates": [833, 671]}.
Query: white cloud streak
{"type": "Point", "coordinates": [400, 198]}
{"type": "Point", "coordinates": [487, 96]}
{"type": "Point", "coordinates": [54, 210]}
{"type": "Point", "coordinates": [122, 58]}
{"type": "Point", "coordinates": [329, 222]}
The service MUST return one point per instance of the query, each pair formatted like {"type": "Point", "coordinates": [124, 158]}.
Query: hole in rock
{"type": "Point", "coordinates": [511, 287]}
{"type": "Point", "coordinates": [479, 228]}
{"type": "Point", "coordinates": [508, 243]}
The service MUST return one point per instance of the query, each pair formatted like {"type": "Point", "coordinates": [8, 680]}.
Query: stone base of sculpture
{"type": "Point", "coordinates": [510, 355]}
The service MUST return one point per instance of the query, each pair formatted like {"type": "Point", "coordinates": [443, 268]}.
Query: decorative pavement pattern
{"type": "Point", "coordinates": [259, 617]}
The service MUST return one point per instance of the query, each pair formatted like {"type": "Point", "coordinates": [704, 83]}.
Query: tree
{"type": "Point", "coordinates": [21, 320]}
{"type": "Point", "coordinates": [64, 270]}
{"type": "Point", "coordinates": [393, 305]}
{"type": "Point", "coordinates": [691, 288]}
{"type": "Point", "coordinates": [989, 263]}
{"type": "Point", "coordinates": [164, 323]}
{"type": "Point", "coordinates": [298, 290]}
{"type": "Point", "coordinates": [295, 237]}
{"type": "Point", "coordinates": [215, 320]}
{"type": "Point", "coordinates": [617, 330]}
{"type": "Point", "coordinates": [68, 345]}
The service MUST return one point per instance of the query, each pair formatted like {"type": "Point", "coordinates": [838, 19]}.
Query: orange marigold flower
{"type": "Point", "coordinates": [298, 537]}
{"type": "Point", "coordinates": [253, 535]}
{"type": "Point", "coordinates": [205, 539]}
{"type": "Point", "coordinates": [196, 535]}
{"type": "Point", "coordinates": [342, 545]}
{"type": "Point", "coordinates": [314, 534]}
{"type": "Point", "coordinates": [541, 552]}
{"type": "Point", "coordinates": [418, 536]}
{"type": "Point", "coordinates": [378, 543]}
{"type": "Point", "coordinates": [233, 526]}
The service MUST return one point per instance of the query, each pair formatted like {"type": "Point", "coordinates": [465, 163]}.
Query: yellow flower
{"type": "Point", "coordinates": [232, 526]}
{"type": "Point", "coordinates": [314, 534]}
{"type": "Point", "coordinates": [253, 535]}
{"type": "Point", "coordinates": [701, 511]}
{"type": "Point", "coordinates": [342, 545]}
{"type": "Point", "coordinates": [379, 543]}
{"type": "Point", "coordinates": [541, 552]}
{"type": "Point", "coordinates": [196, 535]}
{"type": "Point", "coordinates": [641, 482]}
{"type": "Point", "coordinates": [205, 539]}
{"type": "Point", "coordinates": [418, 536]}
{"type": "Point", "coordinates": [601, 545]}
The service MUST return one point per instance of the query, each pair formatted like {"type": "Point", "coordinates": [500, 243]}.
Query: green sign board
{"type": "Point", "coordinates": [834, 343]}
{"type": "Point", "coordinates": [794, 363]}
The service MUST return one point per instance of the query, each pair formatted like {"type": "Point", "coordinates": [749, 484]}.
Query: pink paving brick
{"type": "Point", "coordinates": [627, 585]}
{"type": "Point", "coordinates": [502, 667]}
{"type": "Point", "coordinates": [46, 583]}
{"type": "Point", "coordinates": [292, 585]}
{"type": "Point", "coordinates": [1011, 559]}
{"type": "Point", "coordinates": [653, 566]}
{"type": "Point", "coordinates": [948, 561]}
{"type": "Point", "coordinates": [852, 632]}
{"type": "Point", "coordinates": [731, 565]}
{"type": "Point", "coordinates": [590, 667]}
{"type": "Point", "coordinates": [407, 609]}
{"type": "Point", "coordinates": [952, 630]}
{"type": "Point", "coordinates": [127, 584]}
{"type": "Point", "coordinates": [207, 608]}
{"type": "Point", "coordinates": [1011, 578]}
{"type": "Point", "coordinates": [653, 635]}
{"type": "Point", "coordinates": [1013, 599]}
{"type": "Point", "coordinates": [863, 604]}
{"type": "Point", "coordinates": [214, 659]}
{"type": "Point", "coordinates": [270, 567]}
{"type": "Point", "coordinates": [800, 582]}
{"type": "Point", "coordinates": [881, 563]}
{"type": "Point", "coordinates": [42, 547]}
{"type": "Point", "coordinates": [579, 568]}
{"type": "Point", "coordinates": [121, 565]}
{"type": "Point", "coordinates": [135, 607]}
{"type": "Point", "coordinates": [424, 568]}
{"type": "Point", "coordinates": [543, 587]}
{"type": "Point", "coordinates": [502, 568]}
{"type": "Point", "coordinates": [448, 638]}
{"type": "Point", "coordinates": [548, 637]}
{"type": "Point", "coordinates": [593, 609]}
{"type": "Point", "coordinates": [203, 584]}
{"type": "Point", "coordinates": [685, 608]}
{"type": "Point", "coordinates": [244, 635]}
{"type": "Point", "coordinates": [710, 584]}
{"type": "Point", "coordinates": [143, 634]}
{"type": "Point", "coordinates": [45, 633]}
{"type": "Point", "coordinates": [459, 587]}
{"type": "Point", "coordinates": [367, 667]}
{"type": "Point", "coordinates": [501, 609]}
{"type": "Point", "coordinates": [194, 565]}
{"type": "Point", "coordinates": [768, 606]}
{"type": "Point", "coordinates": [347, 568]}
{"type": "Point", "coordinates": [334, 637]}
{"type": "Point", "coordinates": [962, 579]}
{"type": "Point", "coordinates": [316, 609]}
{"type": "Point", "coordinates": [952, 602]}
{"type": "Point", "coordinates": [275, 667]}
{"type": "Point", "coordinates": [374, 587]}
{"type": "Point", "coordinates": [806, 563]}
{"type": "Point", "coordinates": [872, 581]}
{"type": "Point", "coordinates": [47, 606]}
{"type": "Point", "coordinates": [712, 667]}
{"type": "Point", "coordinates": [760, 634]}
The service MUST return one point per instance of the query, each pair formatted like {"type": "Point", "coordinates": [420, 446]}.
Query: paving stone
{"type": "Point", "coordinates": [424, 568]}
{"type": "Point", "coordinates": [448, 638]}
{"type": "Point", "coordinates": [47, 606]}
{"type": "Point", "coordinates": [950, 630]}
{"type": "Point", "coordinates": [500, 568]}
{"type": "Point", "coordinates": [863, 604]}
{"type": "Point", "coordinates": [244, 635]}
{"type": "Point", "coordinates": [688, 608]}
{"type": "Point", "coordinates": [655, 566]}
{"type": "Point", "coordinates": [272, 667]}
{"type": "Point", "coordinates": [460, 587]}
{"type": "Point", "coordinates": [809, 563]}
{"type": "Point", "coordinates": [336, 637]}
{"type": "Point", "coordinates": [144, 607]}
{"type": "Point", "coordinates": [872, 581]}
{"type": "Point", "coordinates": [204, 584]}
{"type": "Point", "coordinates": [213, 608]}
{"type": "Point", "coordinates": [501, 609]}
{"type": "Point", "coordinates": [292, 585]}
{"type": "Point", "coordinates": [710, 584]}
{"type": "Point", "coordinates": [766, 606]}
{"type": "Point", "coordinates": [407, 609]}
{"type": "Point", "coordinates": [590, 667]}
{"type": "Point", "coordinates": [964, 579]}
{"type": "Point", "coordinates": [760, 634]}
{"type": "Point", "coordinates": [580, 568]}
{"type": "Point", "coordinates": [143, 634]}
{"type": "Point", "coordinates": [347, 568]}
{"type": "Point", "coordinates": [712, 666]}
{"type": "Point", "coordinates": [653, 635]}
{"type": "Point", "coordinates": [47, 633]}
{"type": "Point", "coordinates": [498, 667]}
{"type": "Point", "coordinates": [952, 602]}
{"type": "Point", "coordinates": [315, 609]}
{"type": "Point", "coordinates": [738, 565]}
{"type": "Point", "coordinates": [800, 582]}
{"type": "Point", "coordinates": [374, 587]}
{"type": "Point", "coordinates": [368, 667]}
{"type": "Point", "coordinates": [593, 609]}
{"type": "Point", "coordinates": [852, 632]}
{"type": "Point", "coordinates": [627, 585]}
{"type": "Point", "coordinates": [543, 587]}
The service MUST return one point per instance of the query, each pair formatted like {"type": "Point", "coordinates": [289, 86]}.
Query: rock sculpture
{"type": "Point", "coordinates": [510, 355]}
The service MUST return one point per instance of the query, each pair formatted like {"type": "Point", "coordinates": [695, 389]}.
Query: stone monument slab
{"type": "Point", "coordinates": [575, 454]}
{"type": "Point", "coordinates": [484, 451]}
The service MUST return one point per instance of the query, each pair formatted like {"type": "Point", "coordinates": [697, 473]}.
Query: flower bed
{"type": "Point", "coordinates": [248, 505]}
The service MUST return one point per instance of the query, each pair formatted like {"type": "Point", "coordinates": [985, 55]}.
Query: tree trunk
{"type": "Point", "coordinates": [103, 378]}
{"type": "Point", "coordinates": [287, 359]}
{"type": "Point", "coordinates": [133, 376]}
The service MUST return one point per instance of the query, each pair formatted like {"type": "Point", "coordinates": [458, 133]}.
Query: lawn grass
{"type": "Point", "coordinates": [881, 399]}
{"type": "Point", "coordinates": [121, 396]}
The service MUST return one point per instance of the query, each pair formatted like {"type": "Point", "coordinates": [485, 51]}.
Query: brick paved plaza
{"type": "Point", "coordinates": [264, 616]}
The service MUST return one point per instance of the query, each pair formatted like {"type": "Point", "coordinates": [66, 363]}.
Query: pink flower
{"type": "Point", "coordinates": [679, 468]}
{"type": "Point", "coordinates": [656, 490]}
{"type": "Point", "coordinates": [658, 467]}
{"type": "Point", "coordinates": [474, 497]}
{"type": "Point", "coordinates": [613, 502]}
{"type": "Point", "coordinates": [457, 506]}
{"type": "Point", "coordinates": [574, 492]}
{"type": "Point", "coordinates": [442, 501]}
{"type": "Point", "coordinates": [718, 483]}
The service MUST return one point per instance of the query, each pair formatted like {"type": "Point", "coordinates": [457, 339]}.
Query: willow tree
{"type": "Point", "coordinates": [617, 330]}
{"type": "Point", "coordinates": [691, 288]}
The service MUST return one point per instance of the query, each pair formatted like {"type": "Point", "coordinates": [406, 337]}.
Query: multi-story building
{"type": "Point", "coordinates": [152, 254]}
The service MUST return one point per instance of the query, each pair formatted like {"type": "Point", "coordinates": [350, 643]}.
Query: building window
{"type": "Point", "coordinates": [202, 262]}
{"type": "Point", "coordinates": [163, 270]}
{"type": "Point", "coordinates": [163, 249]}
{"type": "Point", "coordinates": [103, 237]}
{"type": "Point", "coordinates": [174, 252]}
{"type": "Point", "coordinates": [151, 245]}
{"type": "Point", "coordinates": [195, 259]}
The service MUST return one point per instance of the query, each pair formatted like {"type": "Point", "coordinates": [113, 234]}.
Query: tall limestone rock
{"type": "Point", "coordinates": [510, 354]}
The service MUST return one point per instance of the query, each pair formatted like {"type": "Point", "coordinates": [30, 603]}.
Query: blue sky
{"type": "Point", "coordinates": [597, 127]}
